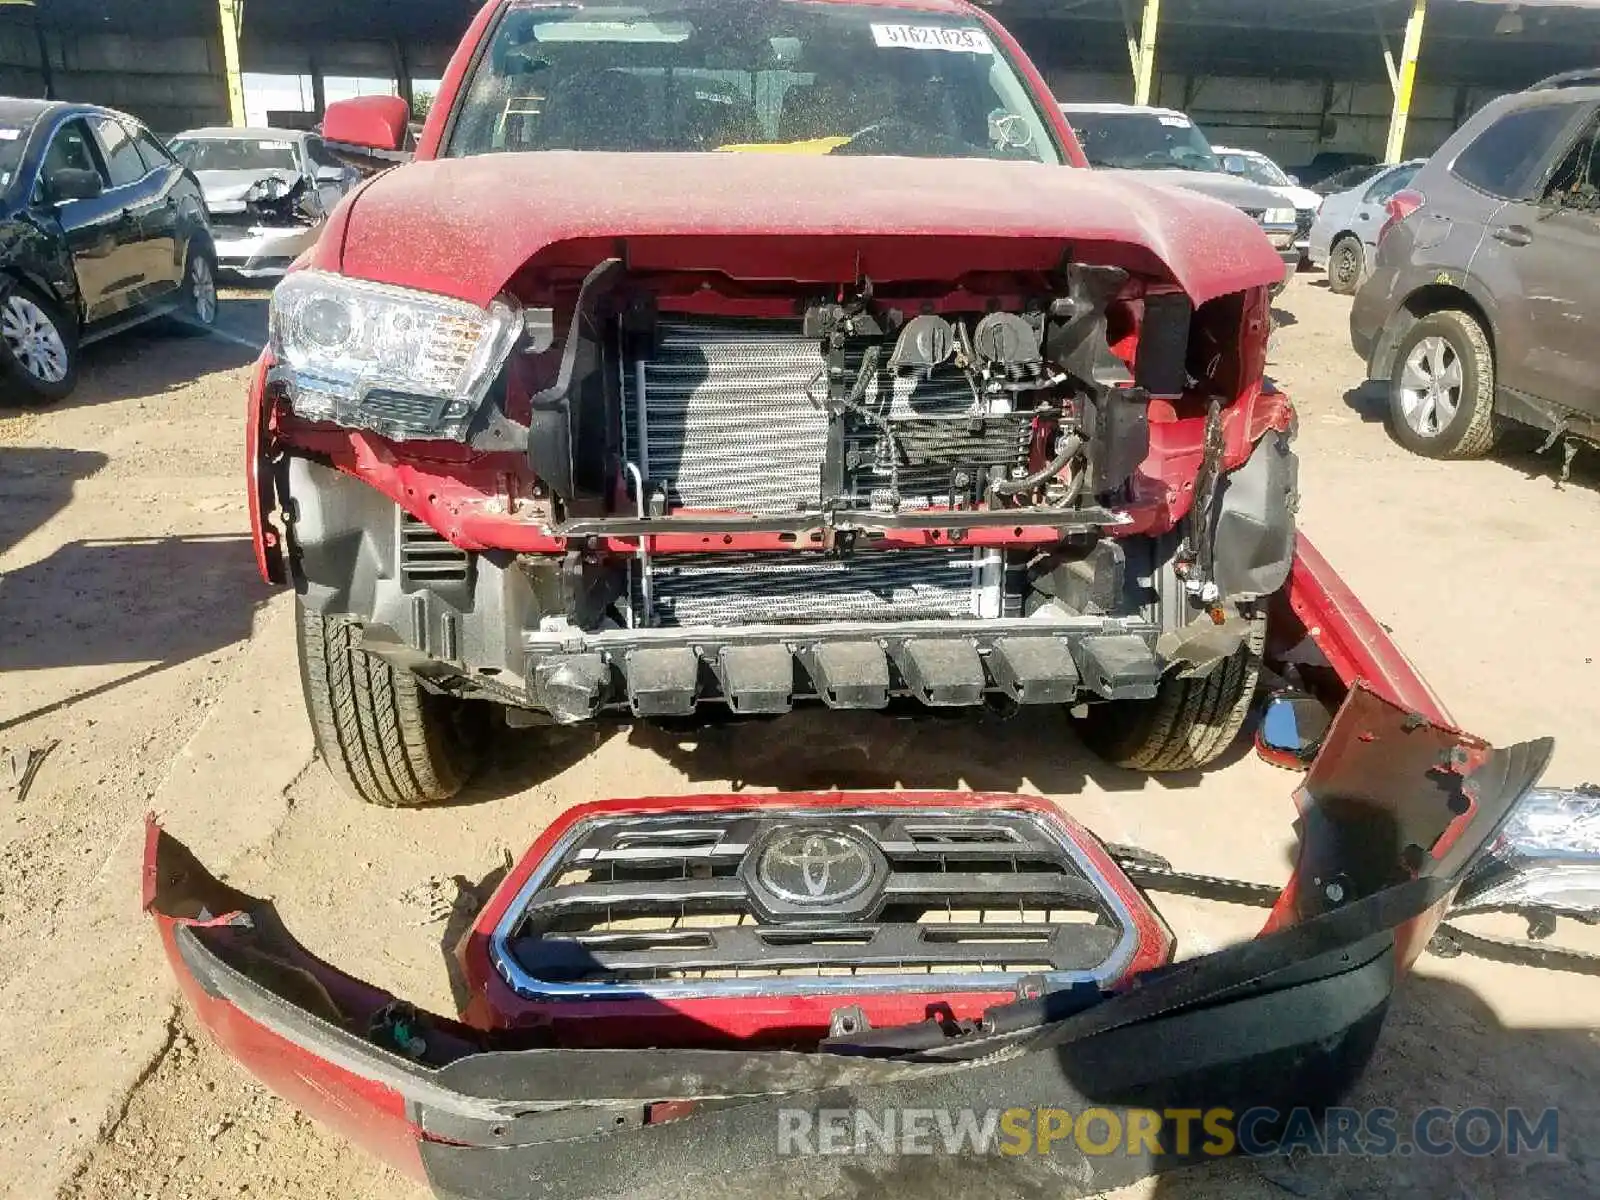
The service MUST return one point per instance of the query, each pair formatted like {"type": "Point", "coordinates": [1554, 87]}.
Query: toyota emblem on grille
{"type": "Point", "coordinates": [817, 868]}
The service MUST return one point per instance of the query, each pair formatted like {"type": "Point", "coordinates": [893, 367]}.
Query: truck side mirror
{"type": "Point", "coordinates": [371, 133]}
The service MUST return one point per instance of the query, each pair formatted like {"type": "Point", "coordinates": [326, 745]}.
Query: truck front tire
{"type": "Point", "coordinates": [387, 739]}
{"type": "Point", "coordinates": [1188, 726]}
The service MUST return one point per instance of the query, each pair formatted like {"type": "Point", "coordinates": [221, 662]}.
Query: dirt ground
{"type": "Point", "coordinates": [140, 645]}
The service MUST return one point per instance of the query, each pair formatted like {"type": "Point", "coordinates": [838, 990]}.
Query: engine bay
{"type": "Point", "coordinates": [858, 404]}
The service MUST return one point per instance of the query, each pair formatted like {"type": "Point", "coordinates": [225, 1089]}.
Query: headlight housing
{"type": "Point", "coordinates": [1548, 857]}
{"type": "Point", "coordinates": [1280, 216]}
{"type": "Point", "coordinates": [401, 363]}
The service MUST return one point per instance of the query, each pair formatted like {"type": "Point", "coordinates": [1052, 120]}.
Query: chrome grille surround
{"type": "Point", "coordinates": [659, 907]}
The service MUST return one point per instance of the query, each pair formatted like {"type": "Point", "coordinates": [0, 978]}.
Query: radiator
{"type": "Point", "coordinates": [729, 425]}
{"type": "Point", "coordinates": [712, 590]}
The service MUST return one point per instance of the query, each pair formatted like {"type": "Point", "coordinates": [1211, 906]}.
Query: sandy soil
{"type": "Point", "coordinates": [138, 638]}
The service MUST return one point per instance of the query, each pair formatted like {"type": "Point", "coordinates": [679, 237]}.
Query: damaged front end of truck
{"type": "Point", "coordinates": [834, 447]}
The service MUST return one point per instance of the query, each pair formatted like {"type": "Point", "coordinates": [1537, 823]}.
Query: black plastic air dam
{"type": "Point", "coordinates": [1273, 1050]}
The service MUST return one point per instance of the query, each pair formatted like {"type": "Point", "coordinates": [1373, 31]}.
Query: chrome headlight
{"type": "Point", "coordinates": [402, 363]}
{"type": "Point", "coordinates": [1547, 857]}
{"type": "Point", "coordinates": [1280, 216]}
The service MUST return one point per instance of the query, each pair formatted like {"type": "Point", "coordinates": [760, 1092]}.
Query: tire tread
{"type": "Point", "coordinates": [384, 738]}
{"type": "Point", "coordinates": [1483, 428]}
{"type": "Point", "coordinates": [1191, 722]}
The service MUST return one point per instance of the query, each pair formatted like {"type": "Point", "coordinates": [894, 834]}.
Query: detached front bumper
{"type": "Point", "coordinates": [537, 1096]}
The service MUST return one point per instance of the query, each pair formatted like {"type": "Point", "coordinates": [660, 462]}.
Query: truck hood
{"type": "Point", "coordinates": [1230, 189]}
{"type": "Point", "coordinates": [465, 227]}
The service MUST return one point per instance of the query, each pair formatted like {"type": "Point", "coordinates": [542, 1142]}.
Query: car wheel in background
{"type": "Point", "coordinates": [1441, 395]}
{"type": "Point", "coordinates": [1346, 262]}
{"type": "Point", "coordinates": [196, 311]}
{"type": "Point", "coordinates": [385, 737]}
{"type": "Point", "coordinates": [38, 348]}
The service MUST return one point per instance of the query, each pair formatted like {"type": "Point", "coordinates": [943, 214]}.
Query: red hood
{"type": "Point", "coordinates": [464, 227]}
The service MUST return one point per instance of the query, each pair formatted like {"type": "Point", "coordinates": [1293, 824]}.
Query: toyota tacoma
{"type": "Point", "coordinates": [721, 356]}
{"type": "Point", "coordinates": [715, 357]}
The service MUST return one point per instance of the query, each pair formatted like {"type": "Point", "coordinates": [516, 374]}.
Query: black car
{"type": "Point", "coordinates": [101, 229]}
{"type": "Point", "coordinates": [1334, 167]}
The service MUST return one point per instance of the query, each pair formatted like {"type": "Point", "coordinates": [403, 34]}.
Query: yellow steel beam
{"type": "Point", "coordinates": [232, 16]}
{"type": "Point", "coordinates": [1406, 84]}
{"type": "Point", "coordinates": [1145, 66]}
{"type": "Point", "coordinates": [1129, 26]}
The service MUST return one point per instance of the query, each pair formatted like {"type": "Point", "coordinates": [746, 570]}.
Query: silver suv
{"type": "Point", "coordinates": [1480, 309]}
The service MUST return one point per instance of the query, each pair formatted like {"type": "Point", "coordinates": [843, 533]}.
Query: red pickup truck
{"type": "Point", "coordinates": [716, 356]}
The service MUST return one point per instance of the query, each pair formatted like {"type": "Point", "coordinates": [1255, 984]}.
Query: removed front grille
{"type": "Point", "coordinates": [769, 902]}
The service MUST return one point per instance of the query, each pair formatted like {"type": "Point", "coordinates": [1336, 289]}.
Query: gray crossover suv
{"type": "Point", "coordinates": [1484, 304]}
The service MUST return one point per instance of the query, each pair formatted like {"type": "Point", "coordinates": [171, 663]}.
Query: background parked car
{"type": "Point", "coordinates": [101, 229]}
{"type": "Point", "coordinates": [1482, 307]}
{"type": "Point", "coordinates": [1258, 168]}
{"type": "Point", "coordinates": [1344, 237]}
{"type": "Point", "coordinates": [1167, 147]}
{"type": "Point", "coordinates": [269, 192]}
{"type": "Point", "coordinates": [1331, 164]}
{"type": "Point", "coordinates": [1349, 177]}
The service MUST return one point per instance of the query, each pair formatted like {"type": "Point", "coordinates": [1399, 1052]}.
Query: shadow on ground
{"type": "Point", "coordinates": [818, 749]}
{"type": "Point", "coordinates": [157, 602]}
{"type": "Point", "coordinates": [36, 483]}
{"type": "Point", "coordinates": [1519, 448]}
{"type": "Point", "coordinates": [1444, 1048]}
{"type": "Point", "coordinates": [159, 357]}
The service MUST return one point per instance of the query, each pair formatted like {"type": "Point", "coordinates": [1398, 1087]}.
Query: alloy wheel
{"type": "Point", "coordinates": [202, 290]}
{"type": "Point", "coordinates": [1431, 386]}
{"type": "Point", "coordinates": [33, 339]}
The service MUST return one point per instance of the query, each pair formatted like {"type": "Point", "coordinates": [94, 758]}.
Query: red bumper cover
{"type": "Point", "coordinates": [520, 1098]}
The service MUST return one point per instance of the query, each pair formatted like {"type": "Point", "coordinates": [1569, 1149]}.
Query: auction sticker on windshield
{"type": "Point", "coordinates": [932, 37]}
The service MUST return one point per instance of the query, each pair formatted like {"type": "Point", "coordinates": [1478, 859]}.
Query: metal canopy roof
{"type": "Point", "coordinates": [1278, 38]}
{"type": "Point", "coordinates": [1317, 39]}
{"type": "Point", "coordinates": [379, 20]}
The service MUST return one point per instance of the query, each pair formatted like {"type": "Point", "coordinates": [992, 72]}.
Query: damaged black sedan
{"type": "Point", "coordinates": [101, 229]}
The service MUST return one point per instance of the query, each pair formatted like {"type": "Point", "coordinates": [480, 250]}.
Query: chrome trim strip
{"type": "Point", "coordinates": [530, 988]}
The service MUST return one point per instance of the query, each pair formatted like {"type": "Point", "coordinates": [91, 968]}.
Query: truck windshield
{"type": "Point", "coordinates": [752, 76]}
{"type": "Point", "coordinates": [1159, 141]}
